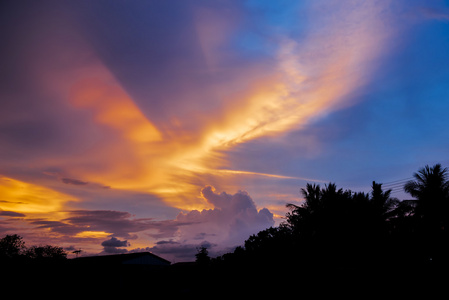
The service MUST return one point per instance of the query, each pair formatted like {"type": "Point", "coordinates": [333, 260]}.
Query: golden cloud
{"type": "Point", "coordinates": [312, 77]}
{"type": "Point", "coordinates": [27, 198]}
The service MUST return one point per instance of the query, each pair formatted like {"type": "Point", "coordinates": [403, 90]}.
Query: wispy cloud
{"type": "Point", "coordinates": [435, 14]}
{"type": "Point", "coordinates": [74, 181]}
{"type": "Point", "coordinates": [268, 175]}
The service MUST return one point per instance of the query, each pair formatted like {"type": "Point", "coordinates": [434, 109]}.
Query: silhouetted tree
{"type": "Point", "coordinates": [13, 249]}
{"type": "Point", "coordinates": [431, 216]}
{"type": "Point", "coordinates": [202, 256]}
{"type": "Point", "coordinates": [383, 205]}
{"type": "Point", "coordinates": [355, 233]}
{"type": "Point", "coordinates": [273, 243]}
{"type": "Point", "coordinates": [353, 225]}
{"type": "Point", "coordinates": [11, 246]}
{"type": "Point", "coordinates": [46, 252]}
{"type": "Point", "coordinates": [431, 189]}
{"type": "Point", "coordinates": [324, 211]}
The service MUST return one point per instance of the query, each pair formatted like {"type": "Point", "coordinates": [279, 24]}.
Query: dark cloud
{"type": "Point", "coordinates": [113, 250]}
{"type": "Point", "coordinates": [70, 248]}
{"type": "Point", "coordinates": [115, 242]}
{"type": "Point", "coordinates": [168, 228]}
{"type": "Point", "coordinates": [73, 181]}
{"type": "Point", "coordinates": [118, 223]}
{"type": "Point", "coordinates": [58, 226]}
{"type": "Point", "coordinates": [12, 202]}
{"type": "Point", "coordinates": [12, 214]}
{"type": "Point", "coordinates": [203, 235]}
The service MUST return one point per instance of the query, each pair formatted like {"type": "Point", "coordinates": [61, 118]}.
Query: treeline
{"type": "Point", "coordinates": [13, 250]}
{"type": "Point", "coordinates": [346, 231]}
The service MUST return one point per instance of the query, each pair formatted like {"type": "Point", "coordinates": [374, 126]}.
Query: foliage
{"type": "Point", "coordinates": [337, 228]}
{"type": "Point", "coordinates": [431, 189]}
{"type": "Point", "coordinates": [46, 252]}
{"type": "Point", "coordinates": [202, 257]}
{"type": "Point", "coordinates": [12, 248]}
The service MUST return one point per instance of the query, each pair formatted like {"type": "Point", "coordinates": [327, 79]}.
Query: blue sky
{"type": "Point", "coordinates": [174, 124]}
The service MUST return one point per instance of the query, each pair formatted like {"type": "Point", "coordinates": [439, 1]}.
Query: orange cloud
{"type": "Point", "coordinates": [27, 198]}
{"type": "Point", "coordinates": [134, 155]}
{"type": "Point", "coordinates": [312, 77]}
{"type": "Point", "coordinates": [113, 107]}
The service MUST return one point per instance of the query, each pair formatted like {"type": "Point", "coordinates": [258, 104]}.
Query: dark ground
{"type": "Point", "coordinates": [68, 279]}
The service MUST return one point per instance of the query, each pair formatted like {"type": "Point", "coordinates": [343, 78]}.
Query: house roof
{"type": "Point", "coordinates": [140, 258]}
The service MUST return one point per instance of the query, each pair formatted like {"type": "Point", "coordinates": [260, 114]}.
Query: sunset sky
{"type": "Point", "coordinates": [164, 125]}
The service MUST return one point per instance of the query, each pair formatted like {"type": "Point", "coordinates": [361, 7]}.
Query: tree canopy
{"type": "Point", "coordinates": [337, 228]}
{"type": "Point", "coordinates": [12, 248]}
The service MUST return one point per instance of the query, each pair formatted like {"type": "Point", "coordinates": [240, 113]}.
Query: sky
{"type": "Point", "coordinates": [164, 126]}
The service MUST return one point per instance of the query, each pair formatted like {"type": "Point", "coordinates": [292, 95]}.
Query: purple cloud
{"type": "Point", "coordinates": [234, 218]}
{"type": "Point", "coordinates": [73, 181]}
{"type": "Point", "coordinates": [113, 244]}
{"type": "Point", "coordinates": [118, 223]}
{"type": "Point", "coordinates": [12, 214]}
{"type": "Point", "coordinates": [121, 224]}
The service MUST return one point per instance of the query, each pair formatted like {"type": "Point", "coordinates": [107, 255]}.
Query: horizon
{"type": "Point", "coordinates": [165, 126]}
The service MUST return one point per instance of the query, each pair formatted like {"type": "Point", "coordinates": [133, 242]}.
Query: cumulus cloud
{"type": "Point", "coordinates": [113, 244]}
{"type": "Point", "coordinates": [232, 220]}
{"type": "Point", "coordinates": [117, 223]}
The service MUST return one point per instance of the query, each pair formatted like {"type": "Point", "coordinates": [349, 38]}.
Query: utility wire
{"type": "Point", "coordinates": [394, 181]}
{"type": "Point", "coordinates": [393, 186]}
{"type": "Point", "coordinates": [396, 186]}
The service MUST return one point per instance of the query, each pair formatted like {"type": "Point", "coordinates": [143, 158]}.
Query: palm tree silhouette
{"type": "Point", "coordinates": [382, 203]}
{"type": "Point", "coordinates": [431, 189]}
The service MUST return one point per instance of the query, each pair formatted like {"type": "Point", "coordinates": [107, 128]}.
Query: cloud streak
{"type": "Point", "coordinates": [268, 175]}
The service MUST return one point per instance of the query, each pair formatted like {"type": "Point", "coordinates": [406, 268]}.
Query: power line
{"type": "Point", "coordinates": [394, 181]}
{"type": "Point", "coordinates": [395, 192]}
{"type": "Point", "coordinates": [396, 186]}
